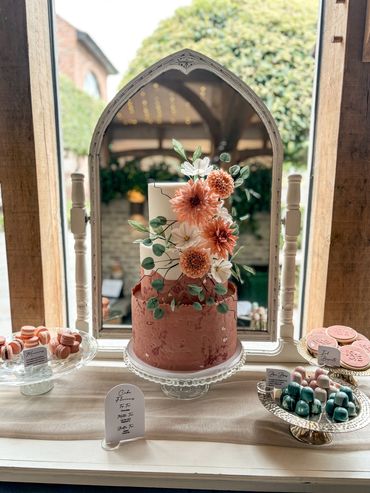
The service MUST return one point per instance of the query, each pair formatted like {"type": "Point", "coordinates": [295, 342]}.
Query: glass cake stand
{"type": "Point", "coordinates": [37, 380]}
{"type": "Point", "coordinates": [338, 371]}
{"type": "Point", "coordinates": [181, 384]}
{"type": "Point", "coordinates": [318, 429]}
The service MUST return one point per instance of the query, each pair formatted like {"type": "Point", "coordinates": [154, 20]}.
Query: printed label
{"type": "Point", "coordinates": [124, 414]}
{"type": "Point", "coordinates": [35, 356]}
{"type": "Point", "coordinates": [277, 378]}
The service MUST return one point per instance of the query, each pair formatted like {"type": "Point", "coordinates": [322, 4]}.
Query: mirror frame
{"type": "Point", "coordinates": [186, 61]}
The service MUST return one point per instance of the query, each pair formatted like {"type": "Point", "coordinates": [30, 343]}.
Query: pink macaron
{"type": "Point", "coordinates": [2, 340]}
{"type": "Point", "coordinates": [44, 337]}
{"type": "Point", "coordinates": [53, 344]}
{"type": "Point", "coordinates": [6, 352]}
{"type": "Point", "coordinates": [67, 339]}
{"type": "Point", "coordinates": [17, 346]}
{"type": "Point", "coordinates": [27, 331]}
{"type": "Point", "coordinates": [31, 342]}
{"type": "Point", "coordinates": [75, 347]}
{"type": "Point", "coordinates": [77, 337]}
{"type": "Point", "coordinates": [62, 352]}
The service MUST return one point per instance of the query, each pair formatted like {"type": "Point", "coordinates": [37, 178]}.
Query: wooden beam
{"type": "Point", "coordinates": [366, 45]}
{"type": "Point", "coordinates": [28, 166]}
{"type": "Point", "coordinates": [332, 65]}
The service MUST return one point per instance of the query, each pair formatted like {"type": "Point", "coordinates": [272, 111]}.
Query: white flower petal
{"type": "Point", "coordinates": [221, 270]}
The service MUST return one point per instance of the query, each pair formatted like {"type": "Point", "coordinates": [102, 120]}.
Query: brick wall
{"type": "Point", "coordinates": [75, 61]}
{"type": "Point", "coordinates": [118, 237]}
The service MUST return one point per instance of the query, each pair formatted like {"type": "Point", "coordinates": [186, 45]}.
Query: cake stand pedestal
{"type": "Point", "coordinates": [38, 380]}
{"type": "Point", "coordinates": [182, 384]}
{"type": "Point", "coordinates": [317, 430]}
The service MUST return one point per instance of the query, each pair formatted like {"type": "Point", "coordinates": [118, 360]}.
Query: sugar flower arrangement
{"type": "Point", "coordinates": [202, 239]}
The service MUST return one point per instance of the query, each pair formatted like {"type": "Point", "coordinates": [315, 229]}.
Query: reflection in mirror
{"type": "Point", "coordinates": [198, 109]}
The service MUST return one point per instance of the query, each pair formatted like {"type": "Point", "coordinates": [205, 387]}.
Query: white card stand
{"type": "Point", "coordinates": [124, 416]}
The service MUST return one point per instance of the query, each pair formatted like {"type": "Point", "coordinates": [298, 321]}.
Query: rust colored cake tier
{"type": "Point", "coordinates": [186, 339]}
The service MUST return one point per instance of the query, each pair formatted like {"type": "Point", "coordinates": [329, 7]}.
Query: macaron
{"type": "Point", "coordinates": [342, 333]}
{"type": "Point", "coordinates": [354, 358]}
{"type": "Point", "coordinates": [75, 347]}
{"type": "Point", "coordinates": [17, 346]}
{"type": "Point", "coordinates": [2, 340]}
{"type": "Point", "coordinates": [77, 337]}
{"type": "Point", "coordinates": [62, 352]}
{"type": "Point", "coordinates": [53, 344]}
{"type": "Point", "coordinates": [31, 342]}
{"type": "Point", "coordinates": [39, 329]}
{"type": "Point", "coordinates": [6, 352]}
{"type": "Point", "coordinates": [67, 339]}
{"type": "Point", "coordinates": [44, 337]}
{"type": "Point", "coordinates": [27, 331]}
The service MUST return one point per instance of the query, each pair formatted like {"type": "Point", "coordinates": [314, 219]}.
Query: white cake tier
{"type": "Point", "coordinates": [159, 195]}
{"type": "Point", "coordinates": [162, 264]}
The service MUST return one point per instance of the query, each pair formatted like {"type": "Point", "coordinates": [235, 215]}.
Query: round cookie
{"type": "Point", "coordinates": [362, 344]}
{"type": "Point", "coordinates": [62, 352]}
{"type": "Point", "coordinates": [319, 339]}
{"type": "Point", "coordinates": [361, 337]}
{"type": "Point", "coordinates": [342, 333]}
{"type": "Point", "coordinates": [354, 358]}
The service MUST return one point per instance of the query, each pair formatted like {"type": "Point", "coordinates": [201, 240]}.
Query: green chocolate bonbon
{"type": "Point", "coordinates": [341, 399]}
{"type": "Point", "coordinates": [340, 415]}
{"type": "Point", "coordinates": [352, 411]}
{"type": "Point", "coordinates": [288, 403]}
{"type": "Point", "coordinates": [316, 407]}
{"type": "Point", "coordinates": [294, 390]}
{"type": "Point", "coordinates": [348, 391]}
{"type": "Point", "coordinates": [329, 408]}
{"type": "Point", "coordinates": [302, 409]}
{"type": "Point", "coordinates": [307, 394]}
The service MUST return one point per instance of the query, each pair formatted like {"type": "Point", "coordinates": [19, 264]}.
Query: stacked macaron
{"type": "Point", "coordinates": [6, 349]}
{"type": "Point", "coordinates": [354, 347]}
{"type": "Point", "coordinates": [307, 393]}
{"type": "Point", "coordinates": [28, 337]}
{"type": "Point", "coordinates": [66, 342]}
{"type": "Point", "coordinates": [341, 405]}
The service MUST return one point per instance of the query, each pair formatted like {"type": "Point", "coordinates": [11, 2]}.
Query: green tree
{"type": "Point", "coordinates": [269, 44]}
{"type": "Point", "coordinates": [79, 115]}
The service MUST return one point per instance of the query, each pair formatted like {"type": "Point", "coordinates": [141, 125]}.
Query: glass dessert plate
{"type": "Point", "coordinates": [344, 373]}
{"type": "Point", "coordinates": [36, 380]}
{"type": "Point", "coordinates": [318, 429]}
{"type": "Point", "coordinates": [182, 384]}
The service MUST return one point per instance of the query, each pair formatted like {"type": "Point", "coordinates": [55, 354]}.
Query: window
{"type": "Point", "coordinates": [91, 85]}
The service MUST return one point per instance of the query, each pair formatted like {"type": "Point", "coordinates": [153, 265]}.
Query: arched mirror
{"type": "Point", "coordinates": [192, 99]}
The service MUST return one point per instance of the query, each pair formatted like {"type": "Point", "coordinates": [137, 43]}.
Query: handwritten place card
{"type": "Point", "coordinates": [277, 378]}
{"type": "Point", "coordinates": [328, 356]}
{"type": "Point", "coordinates": [124, 415]}
{"type": "Point", "coordinates": [35, 356]}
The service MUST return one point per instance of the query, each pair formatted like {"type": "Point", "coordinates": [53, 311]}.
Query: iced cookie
{"type": "Point", "coordinates": [319, 339]}
{"type": "Point", "coordinates": [354, 358]}
{"type": "Point", "coordinates": [341, 333]}
{"type": "Point", "coordinates": [363, 344]}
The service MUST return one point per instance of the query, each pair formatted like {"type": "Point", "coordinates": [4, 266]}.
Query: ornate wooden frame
{"type": "Point", "coordinates": [186, 61]}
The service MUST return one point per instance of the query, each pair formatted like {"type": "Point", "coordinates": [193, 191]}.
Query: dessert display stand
{"type": "Point", "coordinates": [39, 379]}
{"type": "Point", "coordinates": [339, 372]}
{"type": "Point", "coordinates": [316, 430]}
{"type": "Point", "coordinates": [181, 384]}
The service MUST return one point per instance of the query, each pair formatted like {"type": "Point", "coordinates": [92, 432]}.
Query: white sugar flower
{"type": "Point", "coordinates": [224, 214]}
{"type": "Point", "coordinates": [185, 235]}
{"type": "Point", "coordinates": [200, 167]}
{"type": "Point", "coordinates": [221, 270]}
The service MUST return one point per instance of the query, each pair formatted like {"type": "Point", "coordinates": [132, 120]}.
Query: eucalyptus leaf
{"type": "Point", "coordinates": [155, 223]}
{"type": "Point", "coordinates": [245, 172]}
{"type": "Point", "coordinates": [197, 153]}
{"type": "Point", "coordinates": [138, 226]}
{"type": "Point", "coordinates": [238, 182]}
{"type": "Point", "coordinates": [234, 170]}
{"type": "Point", "coordinates": [248, 194]}
{"type": "Point", "coordinates": [162, 220]}
{"type": "Point", "coordinates": [194, 289]}
{"type": "Point", "coordinates": [210, 301]}
{"type": "Point", "coordinates": [173, 304]}
{"type": "Point", "coordinates": [245, 217]}
{"type": "Point", "coordinates": [152, 303]}
{"type": "Point", "coordinates": [248, 269]}
{"type": "Point", "coordinates": [220, 289]}
{"type": "Point", "coordinates": [222, 308]}
{"type": "Point", "coordinates": [158, 249]}
{"type": "Point", "coordinates": [141, 240]}
{"type": "Point", "coordinates": [147, 242]}
{"type": "Point", "coordinates": [201, 296]}
{"type": "Point", "coordinates": [197, 306]}
{"type": "Point", "coordinates": [158, 313]}
{"type": "Point", "coordinates": [179, 149]}
{"type": "Point", "coordinates": [157, 284]}
{"type": "Point", "coordinates": [235, 254]}
{"type": "Point", "coordinates": [225, 157]}
{"type": "Point", "coordinates": [148, 263]}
